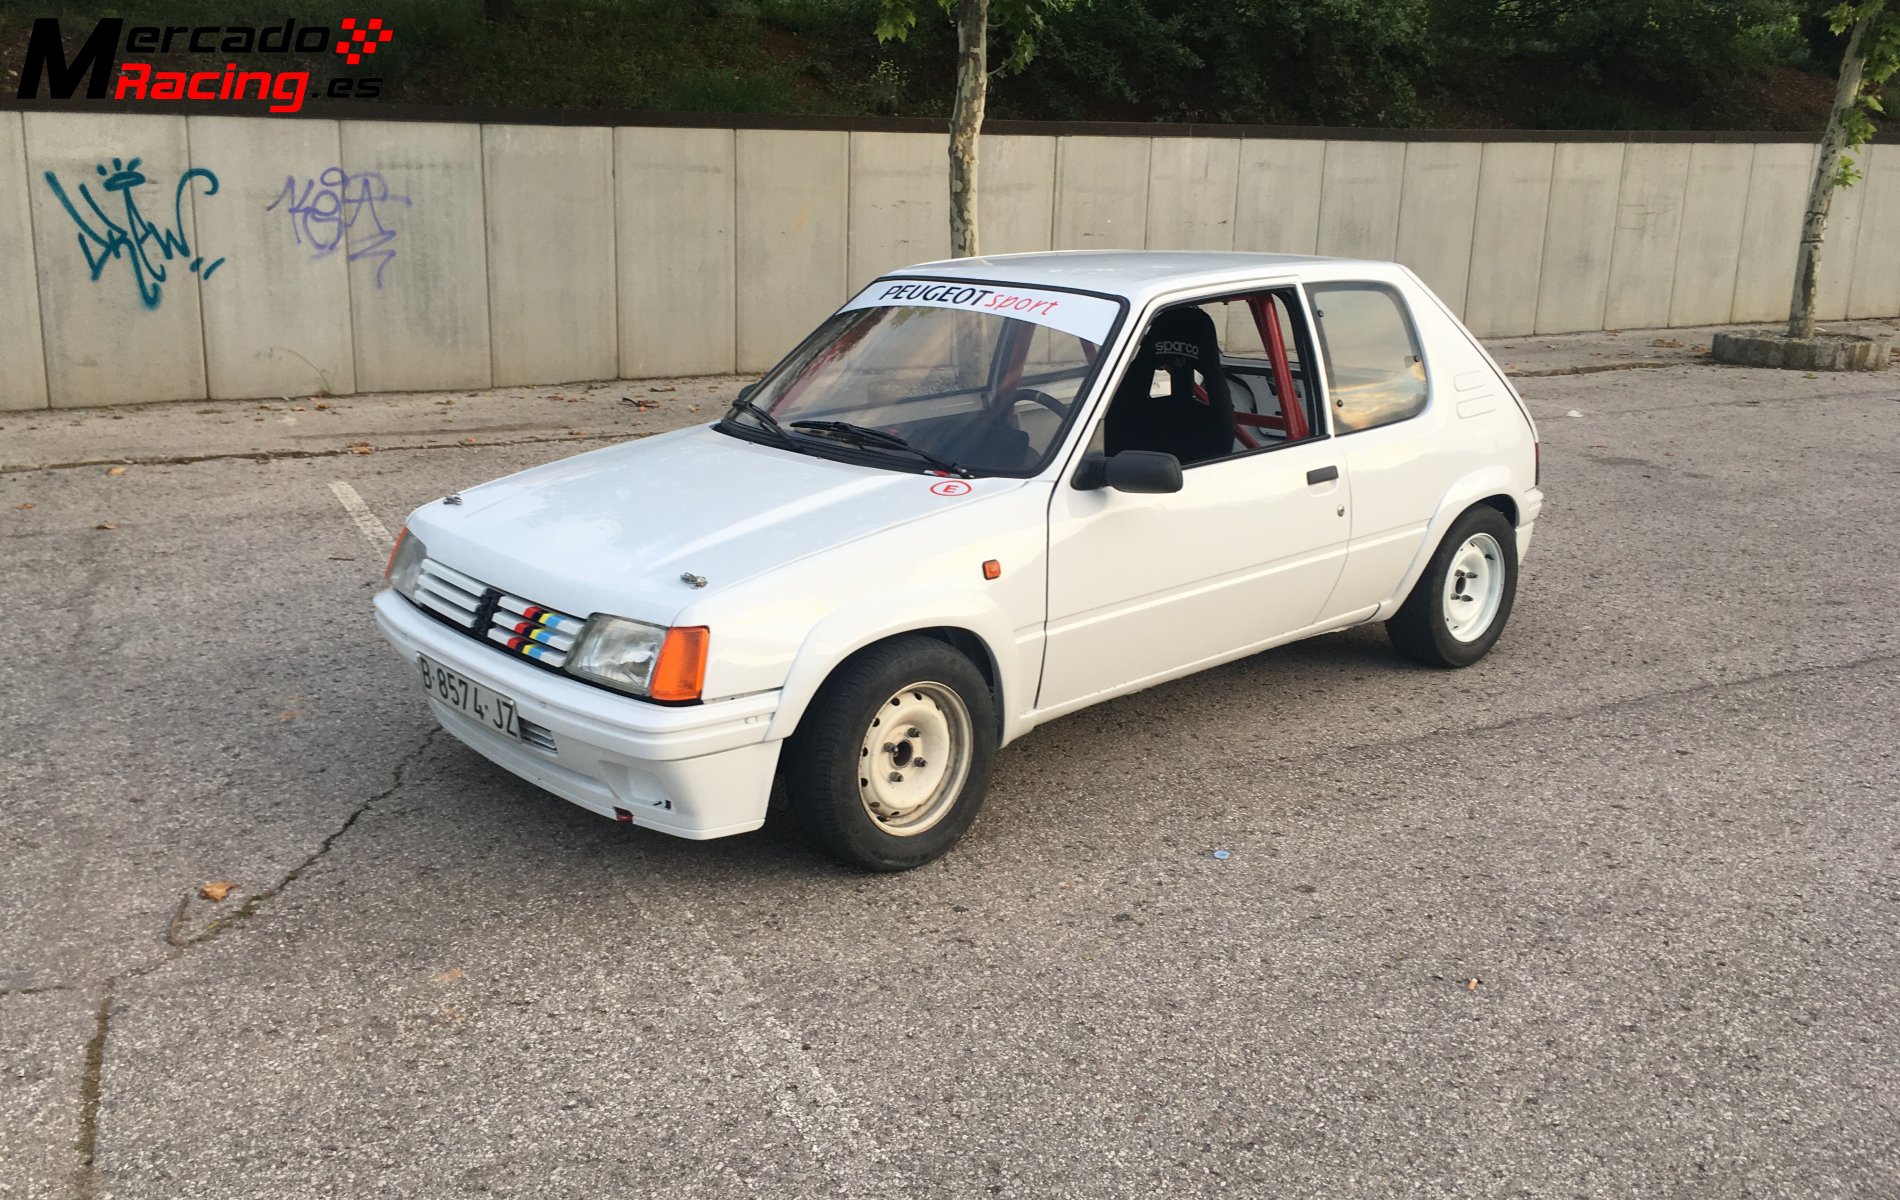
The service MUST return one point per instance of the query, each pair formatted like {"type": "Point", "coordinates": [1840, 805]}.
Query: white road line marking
{"type": "Point", "coordinates": [827, 1121]}
{"type": "Point", "coordinates": [366, 522]}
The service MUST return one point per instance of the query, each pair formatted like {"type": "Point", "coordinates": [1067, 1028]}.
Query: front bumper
{"type": "Point", "coordinates": [700, 771]}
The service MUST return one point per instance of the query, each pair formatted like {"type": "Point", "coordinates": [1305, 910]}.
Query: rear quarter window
{"type": "Point", "coordinates": [1375, 372]}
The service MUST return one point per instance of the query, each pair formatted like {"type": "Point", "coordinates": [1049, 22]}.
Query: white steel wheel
{"type": "Point", "coordinates": [915, 758]}
{"type": "Point", "coordinates": [1474, 587]}
{"type": "Point", "coordinates": [914, 707]}
{"type": "Point", "coordinates": [1457, 608]}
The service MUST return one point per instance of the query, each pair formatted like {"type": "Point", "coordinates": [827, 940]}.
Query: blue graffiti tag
{"type": "Point", "coordinates": [325, 211]}
{"type": "Point", "coordinates": [146, 246]}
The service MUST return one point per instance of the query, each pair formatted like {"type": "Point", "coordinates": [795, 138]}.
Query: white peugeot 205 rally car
{"type": "Point", "coordinates": [983, 494]}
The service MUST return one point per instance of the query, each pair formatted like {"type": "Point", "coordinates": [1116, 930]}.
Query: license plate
{"type": "Point", "coordinates": [471, 699]}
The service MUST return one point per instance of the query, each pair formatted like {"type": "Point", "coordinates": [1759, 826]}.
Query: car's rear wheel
{"type": "Point", "coordinates": [1458, 607]}
{"type": "Point", "coordinates": [892, 760]}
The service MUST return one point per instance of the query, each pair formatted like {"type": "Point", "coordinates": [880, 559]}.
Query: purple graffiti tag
{"type": "Point", "coordinates": [142, 243]}
{"type": "Point", "coordinates": [337, 209]}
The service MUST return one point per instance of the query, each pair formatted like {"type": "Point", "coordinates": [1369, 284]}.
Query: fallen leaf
{"type": "Point", "coordinates": [449, 976]}
{"type": "Point", "coordinates": [115, 470]}
{"type": "Point", "coordinates": [217, 889]}
{"type": "Point", "coordinates": [107, 525]}
{"type": "Point", "coordinates": [362, 448]}
{"type": "Point", "coordinates": [27, 504]}
{"type": "Point", "coordinates": [289, 715]}
{"type": "Point", "coordinates": [1472, 986]}
{"type": "Point", "coordinates": [321, 407]}
{"type": "Point", "coordinates": [1668, 343]}
{"type": "Point", "coordinates": [668, 388]}
{"type": "Point", "coordinates": [470, 441]}
{"type": "Point", "coordinates": [692, 408]}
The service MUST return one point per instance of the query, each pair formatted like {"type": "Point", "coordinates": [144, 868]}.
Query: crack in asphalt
{"type": "Point", "coordinates": [91, 1084]}
{"type": "Point", "coordinates": [1648, 364]}
{"type": "Point", "coordinates": [37, 990]}
{"type": "Point", "coordinates": [258, 899]}
{"type": "Point", "coordinates": [185, 460]}
{"type": "Point", "coordinates": [85, 1181]}
{"type": "Point", "coordinates": [1575, 714]}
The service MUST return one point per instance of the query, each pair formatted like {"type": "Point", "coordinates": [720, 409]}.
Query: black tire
{"type": "Point", "coordinates": [825, 764]}
{"type": "Point", "coordinates": [1422, 628]}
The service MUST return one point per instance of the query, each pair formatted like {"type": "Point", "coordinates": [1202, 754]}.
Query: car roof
{"type": "Point", "coordinates": [1139, 275]}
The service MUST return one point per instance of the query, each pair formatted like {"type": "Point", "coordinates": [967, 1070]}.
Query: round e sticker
{"type": "Point", "coordinates": [950, 487]}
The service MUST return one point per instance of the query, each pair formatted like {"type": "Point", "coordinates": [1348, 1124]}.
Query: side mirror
{"type": "Point", "coordinates": [1148, 472]}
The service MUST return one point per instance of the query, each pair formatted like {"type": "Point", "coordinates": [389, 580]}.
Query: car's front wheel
{"type": "Point", "coordinates": [892, 760]}
{"type": "Point", "coordinates": [1458, 607]}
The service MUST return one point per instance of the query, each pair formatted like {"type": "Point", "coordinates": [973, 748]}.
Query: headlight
{"type": "Point", "coordinates": [641, 659]}
{"type": "Point", "coordinates": [405, 563]}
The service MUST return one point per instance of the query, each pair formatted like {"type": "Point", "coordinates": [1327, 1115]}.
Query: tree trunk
{"type": "Point", "coordinates": [966, 121]}
{"type": "Point", "coordinates": [1807, 271]}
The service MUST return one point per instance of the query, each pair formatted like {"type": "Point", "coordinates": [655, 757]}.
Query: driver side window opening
{"type": "Point", "coordinates": [1201, 397]}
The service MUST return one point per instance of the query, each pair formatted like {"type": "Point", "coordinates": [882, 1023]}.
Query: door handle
{"type": "Point", "coordinates": [1322, 474]}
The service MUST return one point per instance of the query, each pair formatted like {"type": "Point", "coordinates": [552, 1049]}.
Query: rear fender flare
{"type": "Point", "coordinates": [1467, 491]}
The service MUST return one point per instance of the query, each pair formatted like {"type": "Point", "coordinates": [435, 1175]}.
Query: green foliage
{"type": "Point", "coordinates": [1881, 44]}
{"type": "Point", "coordinates": [1344, 61]}
{"type": "Point", "coordinates": [1020, 23]}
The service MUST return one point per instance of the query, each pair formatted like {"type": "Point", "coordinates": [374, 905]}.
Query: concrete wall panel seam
{"type": "Point", "coordinates": [488, 249]}
{"type": "Point", "coordinates": [204, 351]}
{"type": "Point", "coordinates": [24, 389]}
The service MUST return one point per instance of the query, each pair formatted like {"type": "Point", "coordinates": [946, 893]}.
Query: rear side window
{"type": "Point", "coordinates": [1374, 371]}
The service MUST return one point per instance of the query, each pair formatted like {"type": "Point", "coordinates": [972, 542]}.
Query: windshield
{"type": "Point", "coordinates": [930, 375]}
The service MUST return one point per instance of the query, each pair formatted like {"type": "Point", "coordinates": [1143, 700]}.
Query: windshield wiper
{"type": "Point", "coordinates": [864, 435]}
{"type": "Point", "coordinates": [766, 420]}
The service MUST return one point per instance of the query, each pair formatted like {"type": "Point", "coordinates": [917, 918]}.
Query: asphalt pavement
{"type": "Point", "coordinates": [1614, 913]}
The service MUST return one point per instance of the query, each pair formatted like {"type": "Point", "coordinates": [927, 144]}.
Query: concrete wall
{"type": "Point", "coordinates": [268, 257]}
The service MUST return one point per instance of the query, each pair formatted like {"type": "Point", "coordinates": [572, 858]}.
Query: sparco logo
{"type": "Point", "coordinates": [96, 62]}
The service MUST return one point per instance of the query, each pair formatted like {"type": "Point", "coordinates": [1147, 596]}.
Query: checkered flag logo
{"type": "Point", "coordinates": [360, 38]}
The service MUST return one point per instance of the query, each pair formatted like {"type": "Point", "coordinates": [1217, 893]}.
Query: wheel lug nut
{"type": "Point", "coordinates": [890, 747]}
{"type": "Point", "coordinates": [896, 778]}
{"type": "Point", "coordinates": [918, 762]}
{"type": "Point", "coordinates": [913, 733]}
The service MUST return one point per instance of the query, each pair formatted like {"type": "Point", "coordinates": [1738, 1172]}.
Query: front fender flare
{"type": "Point", "coordinates": [851, 628]}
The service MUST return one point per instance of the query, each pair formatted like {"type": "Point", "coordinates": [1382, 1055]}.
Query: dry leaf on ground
{"type": "Point", "coordinates": [449, 976]}
{"type": "Point", "coordinates": [107, 525]}
{"type": "Point", "coordinates": [361, 448]}
{"type": "Point", "coordinates": [26, 504]}
{"type": "Point", "coordinates": [217, 889]}
{"type": "Point", "coordinates": [115, 470]}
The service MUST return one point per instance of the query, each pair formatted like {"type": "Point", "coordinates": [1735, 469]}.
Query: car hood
{"type": "Point", "coordinates": [613, 530]}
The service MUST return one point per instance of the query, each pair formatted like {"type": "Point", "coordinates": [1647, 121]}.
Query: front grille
{"type": "Point", "coordinates": [538, 736]}
{"type": "Point", "coordinates": [537, 633]}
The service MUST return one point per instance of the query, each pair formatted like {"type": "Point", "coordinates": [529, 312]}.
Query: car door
{"type": "Point", "coordinates": [1141, 586]}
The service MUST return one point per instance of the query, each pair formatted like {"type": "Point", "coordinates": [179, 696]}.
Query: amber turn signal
{"type": "Point", "coordinates": [992, 569]}
{"type": "Point", "coordinates": [681, 672]}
